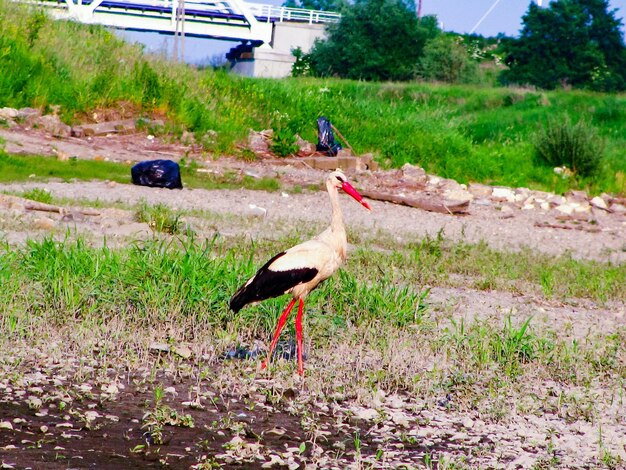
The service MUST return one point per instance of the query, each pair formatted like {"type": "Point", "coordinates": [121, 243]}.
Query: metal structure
{"type": "Point", "coordinates": [233, 20]}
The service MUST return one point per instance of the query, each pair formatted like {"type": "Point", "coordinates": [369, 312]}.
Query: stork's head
{"type": "Point", "coordinates": [338, 180]}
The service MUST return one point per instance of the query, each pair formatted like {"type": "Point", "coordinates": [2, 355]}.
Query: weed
{"type": "Point", "coordinates": [39, 195]}
{"type": "Point", "coordinates": [162, 415]}
{"type": "Point", "coordinates": [160, 218]}
{"type": "Point", "coordinates": [577, 146]}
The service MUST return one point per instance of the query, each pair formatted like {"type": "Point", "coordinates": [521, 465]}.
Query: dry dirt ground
{"type": "Point", "coordinates": [62, 414]}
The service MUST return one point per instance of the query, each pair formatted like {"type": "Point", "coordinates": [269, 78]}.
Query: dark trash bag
{"type": "Point", "coordinates": [157, 174]}
{"type": "Point", "coordinates": [325, 138]}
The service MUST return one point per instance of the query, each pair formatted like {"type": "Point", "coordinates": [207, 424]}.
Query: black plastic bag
{"type": "Point", "coordinates": [157, 174]}
{"type": "Point", "coordinates": [325, 138]}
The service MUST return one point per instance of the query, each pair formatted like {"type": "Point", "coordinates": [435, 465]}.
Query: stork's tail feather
{"type": "Point", "coordinates": [239, 299]}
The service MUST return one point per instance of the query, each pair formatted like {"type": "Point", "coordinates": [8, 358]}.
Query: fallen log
{"type": "Point", "coordinates": [40, 206]}
{"type": "Point", "coordinates": [424, 203]}
{"type": "Point", "coordinates": [43, 207]}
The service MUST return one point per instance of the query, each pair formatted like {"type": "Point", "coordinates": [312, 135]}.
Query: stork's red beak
{"type": "Point", "coordinates": [349, 189]}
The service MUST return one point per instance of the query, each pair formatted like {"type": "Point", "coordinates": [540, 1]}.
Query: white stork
{"type": "Point", "coordinates": [300, 269]}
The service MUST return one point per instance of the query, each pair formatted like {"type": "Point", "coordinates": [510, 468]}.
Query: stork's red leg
{"type": "Point", "coordinates": [281, 322]}
{"type": "Point", "coordinates": [299, 336]}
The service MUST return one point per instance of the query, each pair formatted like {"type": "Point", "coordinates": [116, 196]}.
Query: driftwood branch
{"type": "Point", "coordinates": [567, 227]}
{"type": "Point", "coordinates": [40, 206]}
{"type": "Point", "coordinates": [427, 204]}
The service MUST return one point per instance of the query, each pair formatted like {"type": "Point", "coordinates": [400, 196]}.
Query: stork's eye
{"type": "Point", "coordinates": [341, 180]}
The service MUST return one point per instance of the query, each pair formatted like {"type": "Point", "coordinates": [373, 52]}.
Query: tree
{"type": "Point", "coordinates": [374, 40]}
{"type": "Point", "coordinates": [571, 42]}
{"type": "Point", "coordinates": [323, 5]}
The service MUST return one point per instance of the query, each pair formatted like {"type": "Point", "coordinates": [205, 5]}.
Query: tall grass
{"type": "Point", "coordinates": [436, 261]}
{"type": "Point", "coordinates": [370, 335]}
{"type": "Point", "coordinates": [157, 281]}
{"type": "Point", "coordinates": [462, 132]}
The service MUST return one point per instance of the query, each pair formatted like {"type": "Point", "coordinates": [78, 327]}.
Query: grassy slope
{"type": "Point", "coordinates": [462, 132]}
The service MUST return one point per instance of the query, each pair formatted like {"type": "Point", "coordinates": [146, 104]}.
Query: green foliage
{"type": "Point", "coordinates": [446, 59]}
{"type": "Point", "coordinates": [283, 138]}
{"type": "Point", "coordinates": [577, 146]}
{"type": "Point", "coordinates": [302, 66]}
{"type": "Point", "coordinates": [570, 42]}
{"type": "Point", "coordinates": [161, 415]}
{"type": "Point", "coordinates": [39, 195]}
{"type": "Point", "coordinates": [323, 5]}
{"type": "Point", "coordinates": [149, 84]}
{"type": "Point", "coordinates": [374, 40]}
{"type": "Point", "coordinates": [160, 218]}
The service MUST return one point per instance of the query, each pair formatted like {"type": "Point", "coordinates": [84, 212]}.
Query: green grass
{"type": "Point", "coordinates": [14, 168]}
{"type": "Point", "coordinates": [440, 262]}
{"type": "Point", "coordinates": [467, 133]}
{"type": "Point", "coordinates": [160, 217]}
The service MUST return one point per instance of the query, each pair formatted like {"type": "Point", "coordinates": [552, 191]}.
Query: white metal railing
{"type": "Point", "coordinates": [273, 13]}
{"type": "Point", "coordinates": [264, 12]}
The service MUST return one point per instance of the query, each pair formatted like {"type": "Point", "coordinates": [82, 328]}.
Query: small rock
{"type": "Point", "coordinates": [576, 196]}
{"type": "Point", "coordinates": [44, 223]}
{"type": "Point", "coordinates": [458, 195]}
{"type": "Point", "coordinates": [257, 211]}
{"type": "Point", "coordinates": [366, 414]}
{"type": "Point", "coordinates": [44, 429]}
{"type": "Point", "coordinates": [8, 113]}
{"type": "Point", "coordinates": [183, 351]}
{"type": "Point", "coordinates": [479, 190]}
{"type": "Point", "coordinates": [170, 390]}
{"type": "Point", "coordinates": [34, 403]}
{"type": "Point", "coordinates": [77, 131]}
{"type": "Point", "coordinates": [54, 126]}
{"type": "Point", "coordinates": [414, 175]}
{"type": "Point", "coordinates": [599, 203]}
{"type": "Point", "coordinates": [91, 415]}
{"type": "Point", "coordinates": [160, 347]}
{"type": "Point", "coordinates": [565, 209]}
{"type": "Point", "coordinates": [503, 194]}
{"type": "Point", "coordinates": [111, 389]}
{"type": "Point", "coordinates": [6, 425]}
{"type": "Point", "coordinates": [28, 115]}
{"type": "Point", "coordinates": [618, 208]}
{"type": "Point", "coordinates": [395, 401]}
{"type": "Point", "coordinates": [467, 422]}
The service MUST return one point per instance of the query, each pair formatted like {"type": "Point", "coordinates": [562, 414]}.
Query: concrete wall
{"type": "Point", "coordinates": [276, 62]}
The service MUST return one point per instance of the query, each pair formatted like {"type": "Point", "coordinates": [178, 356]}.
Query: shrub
{"type": "Point", "coordinates": [445, 59]}
{"type": "Point", "coordinates": [283, 139]}
{"type": "Point", "coordinates": [577, 146]}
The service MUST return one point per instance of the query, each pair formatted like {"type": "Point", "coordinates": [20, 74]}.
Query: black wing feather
{"type": "Point", "coordinates": [267, 284]}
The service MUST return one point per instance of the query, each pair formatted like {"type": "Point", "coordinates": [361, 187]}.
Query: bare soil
{"type": "Point", "coordinates": [242, 428]}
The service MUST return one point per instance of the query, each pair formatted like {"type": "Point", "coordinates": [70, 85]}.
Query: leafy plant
{"type": "Point", "coordinates": [162, 415]}
{"type": "Point", "coordinates": [283, 137]}
{"type": "Point", "coordinates": [160, 218]}
{"type": "Point", "coordinates": [577, 146]}
{"type": "Point", "coordinates": [39, 195]}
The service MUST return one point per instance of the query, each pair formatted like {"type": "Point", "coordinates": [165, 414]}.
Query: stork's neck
{"type": "Point", "coordinates": [336, 222]}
